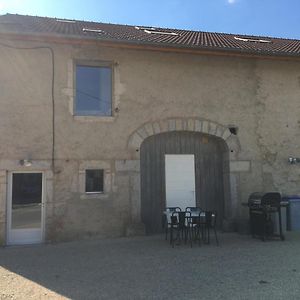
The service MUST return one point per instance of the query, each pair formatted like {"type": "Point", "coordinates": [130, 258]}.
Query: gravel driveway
{"type": "Point", "coordinates": [148, 268]}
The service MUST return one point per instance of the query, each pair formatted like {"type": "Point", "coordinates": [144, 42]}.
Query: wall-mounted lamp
{"type": "Point", "coordinates": [233, 129]}
{"type": "Point", "coordinates": [26, 162]}
{"type": "Point", "coordinates": [294, 160]}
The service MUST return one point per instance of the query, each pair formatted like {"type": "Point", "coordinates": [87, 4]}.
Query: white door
{"type": "Point", "coordinates": [25, 210]}
{"type": "Point", "coordinates": [180, 180]}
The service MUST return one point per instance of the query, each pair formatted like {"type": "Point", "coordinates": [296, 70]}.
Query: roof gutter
{"type": "Point", "coordinates": [136, 45]}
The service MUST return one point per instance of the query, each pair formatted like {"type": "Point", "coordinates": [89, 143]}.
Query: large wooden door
{"type": "Point", "coordinates": [208, 154]}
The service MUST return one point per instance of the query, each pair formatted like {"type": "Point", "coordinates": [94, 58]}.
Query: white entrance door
{"type": "Point", "coordinates": [25, 208]}
{"type": "Point", "coordinates": [180, 180]}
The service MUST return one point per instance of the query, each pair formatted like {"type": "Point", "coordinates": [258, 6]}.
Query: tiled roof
{"type": "Point", "coordinates": [149, 36]}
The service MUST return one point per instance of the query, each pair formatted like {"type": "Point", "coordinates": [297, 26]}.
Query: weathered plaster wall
{"type": "Point", "coordinates": [261, 97]}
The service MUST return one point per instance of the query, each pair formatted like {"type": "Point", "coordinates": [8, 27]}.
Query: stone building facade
{"type": "Point", "coordinates": [249, 102]}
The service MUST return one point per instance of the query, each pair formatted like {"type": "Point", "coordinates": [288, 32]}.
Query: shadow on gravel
{"type": "Point", "coordinates": [149, 268]}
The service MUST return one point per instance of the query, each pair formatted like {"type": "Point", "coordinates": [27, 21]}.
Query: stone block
{"type": "Point", "coordinates": [198, 125]}
{"type": "Point", "coordinates": [179, 125]}
{"type": "Point", "coordinates": [149, 129]}
{"type": "Point", "coordinates": [135, 141]}
{"type": "Point", "coordinates": [164, 126]}
{"type": "Point", "coordinates": [143, 133]}
{"type": "Point", "coordinates": [156, 128]}
{"type": "Point", "coordinates": [184, 125]}
{"type": "Point", "coordinates": [240, 166]}
{"type": "Point", "coordinates": [205, 126]}
{"type": "Point", "coordinates": [220, 130]}
{"type": "Point", "coordinates": [191, 124]}
{"type": "Point", "coordinates": [212, 128]}
{"type": "Point", "coordinates": [226, 134]}
{"type": "Point", "coordinates": [172, 125]}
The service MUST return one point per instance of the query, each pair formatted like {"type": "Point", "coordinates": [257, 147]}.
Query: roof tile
{"type": "Point", "coordinates": [130, 34]}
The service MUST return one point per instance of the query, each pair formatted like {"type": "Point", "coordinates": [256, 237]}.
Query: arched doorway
{"type": "Point", "coordinates": [211, 166]}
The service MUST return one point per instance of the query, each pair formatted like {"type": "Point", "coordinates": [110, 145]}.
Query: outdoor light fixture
{"type": "Point", "coordinates": [233, 129]}
{"type": "Point", "coordinates": [26, 162]}
{"type": "Point", "coordinates": [294, 160]}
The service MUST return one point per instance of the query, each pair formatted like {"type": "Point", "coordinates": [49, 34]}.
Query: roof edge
{"type": "Point", "coordinates": [74, 39]}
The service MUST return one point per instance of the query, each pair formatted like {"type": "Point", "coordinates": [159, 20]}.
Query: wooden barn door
{"type": "Point", "coordinates": [208, 172]}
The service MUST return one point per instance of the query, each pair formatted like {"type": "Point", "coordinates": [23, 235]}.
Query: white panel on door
{"type": "Point", "coordinates": [180, 180]}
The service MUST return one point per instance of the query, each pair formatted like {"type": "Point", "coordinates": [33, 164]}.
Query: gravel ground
{"type": "Point", "coordinates": [148, 268]}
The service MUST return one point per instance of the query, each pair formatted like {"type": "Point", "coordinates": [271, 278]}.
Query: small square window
{"type": "Point", "coordinates": [93, 90]}
{"type": "Point", "coordinates": [94, 181]}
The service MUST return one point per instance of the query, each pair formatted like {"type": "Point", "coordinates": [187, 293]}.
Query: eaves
{"type": "Point", "coordinates": [149, 46]}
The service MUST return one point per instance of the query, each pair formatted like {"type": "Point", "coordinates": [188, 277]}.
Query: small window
{"type": "Point", "coordinates": [94, 181]}
{"type": "Point", "coordinates": [254, 40]}
{"type": "Point", "coordinates": [93, 90]}
{"type": "Point", "coordinates": [92, 30]}
{"type": "Point", "coordinates": [65, 21]}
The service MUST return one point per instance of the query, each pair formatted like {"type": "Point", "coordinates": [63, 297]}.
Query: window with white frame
{"type": "Point", "coordinates": [93, 92]}
{"type": "Point", "coordinates": [94, 181]}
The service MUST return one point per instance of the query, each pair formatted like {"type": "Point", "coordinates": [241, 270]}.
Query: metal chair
{"type": "Point", "coordinates": [179, 224]}
{"type": "Point", "coordinates": [193, 221]}
{"type": "Point", "coordinates": [166, 221]}
{"type": "Point", "coordinates": [207, 221]}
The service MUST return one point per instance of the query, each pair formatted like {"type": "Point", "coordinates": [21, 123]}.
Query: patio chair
{"type": "Point", "coordinates": [193, 221]}
{"type": "Point", "coordinates": [166, 221]}
{"type": "Point", "coordinates": [179, 225]}
{"type": "Point", "coordinates": [207, 221]}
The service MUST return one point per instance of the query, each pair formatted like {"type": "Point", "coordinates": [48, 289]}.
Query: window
{"type": "Point", "coordinates": [94, 179]}
{"type": "Point", "coordinates": [152, 30]}
{"type": "Point", "coordinates": [93, 90]}
{"type": "Point", "coordinates": [251, 39]}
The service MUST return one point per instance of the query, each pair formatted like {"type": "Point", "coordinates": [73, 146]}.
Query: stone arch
{"type": "Point", "coordinates": [185, 124]}
{"type": "Point", "coordinates": [231, 141]}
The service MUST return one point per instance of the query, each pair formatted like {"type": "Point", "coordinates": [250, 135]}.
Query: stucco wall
{"type": "Point", "coordinates": [260, 97]}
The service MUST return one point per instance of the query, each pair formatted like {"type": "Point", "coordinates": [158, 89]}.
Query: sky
{"type": "Point", "coordinates": [277, 18]}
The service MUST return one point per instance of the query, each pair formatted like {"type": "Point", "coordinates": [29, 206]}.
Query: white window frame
{"type": "Point", "coordinates": [107, 179]}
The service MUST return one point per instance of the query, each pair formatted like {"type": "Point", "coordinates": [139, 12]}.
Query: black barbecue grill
{"type": "Point", "coordinates": [261, 207]}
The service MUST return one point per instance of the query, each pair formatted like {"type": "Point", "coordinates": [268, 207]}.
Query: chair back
{"type": "Point", "coordinates": [172, 209]}
{"type": "Point", "coordinates": [209, 218]}
{"type": "Point", "coordinates": [169, 212]}
{"type": "Point", "coordinates": [193, 208]}
{"type": "Point", "coordinates": [180, 218]}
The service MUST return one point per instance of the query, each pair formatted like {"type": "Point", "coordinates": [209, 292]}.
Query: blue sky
{"type": "Point", "coordinates": [280, 18]}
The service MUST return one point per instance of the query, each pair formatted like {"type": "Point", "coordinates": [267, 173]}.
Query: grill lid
{"type": "Point", "coordinates": [255, 198]}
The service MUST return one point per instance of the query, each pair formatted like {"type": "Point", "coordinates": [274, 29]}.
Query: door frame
{"type": "Point", "coordinates": [9, 208]}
